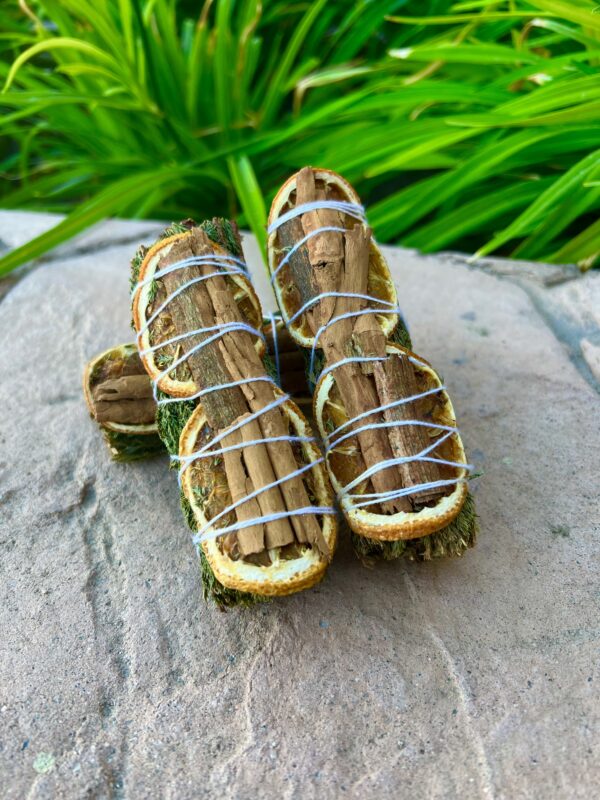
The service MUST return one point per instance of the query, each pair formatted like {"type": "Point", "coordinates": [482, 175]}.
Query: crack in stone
{"type": "Point", "coordinates": [568, 335]}
{"type": "Point", "coordinates": [86, 495]}
{"type": "Point", "coordinates": [515, 271]}
{"type": "Point", "coordinates": [59, 399]}
{"type": "Point", "coordinates": [105, 592]}
{"type": "Point", "coordinates": [250, 738]}
{"type": "Point", "coordinates": [471, 730]}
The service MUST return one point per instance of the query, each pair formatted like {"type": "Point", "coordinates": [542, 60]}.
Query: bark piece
{"type": "Point", "coordinates": [301, 288]}
{"type": "Point", "coordinates": [125, 400]}
{"type": "Point", "coordinates": [395, 378]}
{"type": "Point", "coordinates": [325, 250]}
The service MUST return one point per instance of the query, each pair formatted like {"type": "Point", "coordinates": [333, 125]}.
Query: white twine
{"type": "Point", "coordinates": [187, 460]}
{"type": "Point", "coordinates": [351, 209]}
{"type": "Point", "coordinates": [178, 291]}
{"type": "Point", "coordinates": [207, 451]}
{"type": "Point", "coordinates": [229, 327]}
{"type": "Point", "coordinates": [333, 439]}
{"type": "Point", "coordinates": [166, 400]}
{"type": "Point", "coordinates": [298, 245]}
{"type": "Point", "coordinates": [193, 261]}
{"type": "Point", "coordinates": [390, 308]}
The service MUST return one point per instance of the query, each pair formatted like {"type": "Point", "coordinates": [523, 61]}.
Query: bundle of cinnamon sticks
{"type": "Point", "coordinates": [210, 381]}
{"type": "Point", "coordinates": [119, 397]}
{"type": "Point", "coordinates": [251, 472]}
{"type": "Point", "coordinates": [394, 453]}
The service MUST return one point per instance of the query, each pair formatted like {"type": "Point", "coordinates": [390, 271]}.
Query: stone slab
{"type": "Point", "coordinates": [474, 678]}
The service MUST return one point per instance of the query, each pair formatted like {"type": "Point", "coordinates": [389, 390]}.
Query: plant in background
{"type": "Point", "coordinates": [474, 126]}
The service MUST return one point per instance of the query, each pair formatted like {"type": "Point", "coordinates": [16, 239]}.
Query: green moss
{"type": "Point", "coordinates": [187, 512]}
{"type": "Point", "coordinates": [223, 597]}
{"type": "Point", "coordinates": [452, 541]}
{"type": "Point", "coordinates": [171, 419]}
{"type": "Point", "coordinates": [223, 232]}
{"type": "Point", "coordinates": [125, 447]}
{"type": "Point", "coordinates": [270, 367]}
{"type": "Point", "coordinates": [400, 335]}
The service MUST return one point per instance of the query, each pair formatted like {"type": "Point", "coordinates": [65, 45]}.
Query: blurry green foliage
{"type": "Point", "coordinates": [471, 125]}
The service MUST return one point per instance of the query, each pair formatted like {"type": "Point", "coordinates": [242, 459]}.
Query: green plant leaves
{"type": "Point", "coordinates": [472, 125]}
{"type": "Point", "coordinates": [115, 199]}
{"type": "Point", "coordinates": [251, 198]}
{"type": "Point", "coordinates": [54, 44]}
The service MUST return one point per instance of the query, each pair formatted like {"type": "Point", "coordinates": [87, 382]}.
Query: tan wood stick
{"type": "Point", "coordinates": [253, 540]}
{"type": "Point", "coordinates": [325, 251]}
{"type": "Point", "coordinates": [395, 379]}
{"type": "Point", "coordinates": [126, 399]}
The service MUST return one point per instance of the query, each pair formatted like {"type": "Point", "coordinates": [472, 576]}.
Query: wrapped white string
{"type": "Point", "coordinates": [390, 308]}
{"type": "Point", "coordinates": [231, 385]}
{"type": "Point", "coordinates": [204, 532]}
{"type": "Point", "coordinates": [233, 266]}
{"type": "Point", "coordinates": [351, 209]}
{"type": "Point", "coordinates": [207, 534]}
{"type": "Point", "coordinates": [193, 261]}
{"type": "Point", "coordinates": [221, 330]}
{"type": "Point", "coordinates": [333, 439]}
{"type": "Point", "coordinates": [379, 409]}
{"type": "Point", "coordinates": [187, 460]}
{"type": "Point", "coordinates": [285, 260]}
{"type": "Point", "coordinates": [178, 291]}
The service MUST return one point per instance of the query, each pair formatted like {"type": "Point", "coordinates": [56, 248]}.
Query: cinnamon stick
{"type": "Point", "coordinates": [253, 539]}
{"type": "Point", "coordinates": [395, 378]}
{"type": "Point", "coordinates": [126, 400]}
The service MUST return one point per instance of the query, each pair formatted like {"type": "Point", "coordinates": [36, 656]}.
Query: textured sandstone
{"type": "Point", "coordinates": [475, 678]}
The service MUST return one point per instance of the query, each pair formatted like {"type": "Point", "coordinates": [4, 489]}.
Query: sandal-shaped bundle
{"type": "Point", "coordinates": [119, 398]}
{"type": "Point", "coordinates": [253, 483]}
{"type": "Point", "coordinates": [393, 451]}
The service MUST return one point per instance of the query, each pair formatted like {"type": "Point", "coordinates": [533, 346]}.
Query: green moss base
{"type": "Point", "coordinates": [212, 588]}
{"type": "Point", "coordinates": [451, 542]}
{"type": "Point", "coordinates": [223, 597]}
{"type": "Point", "coordinates": [401, 336]}
{"type": "Point", "coordinates": [126, 447]}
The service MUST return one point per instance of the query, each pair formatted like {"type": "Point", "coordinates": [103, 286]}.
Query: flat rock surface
{"type": "Point", "coordinates": [471, 678]}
